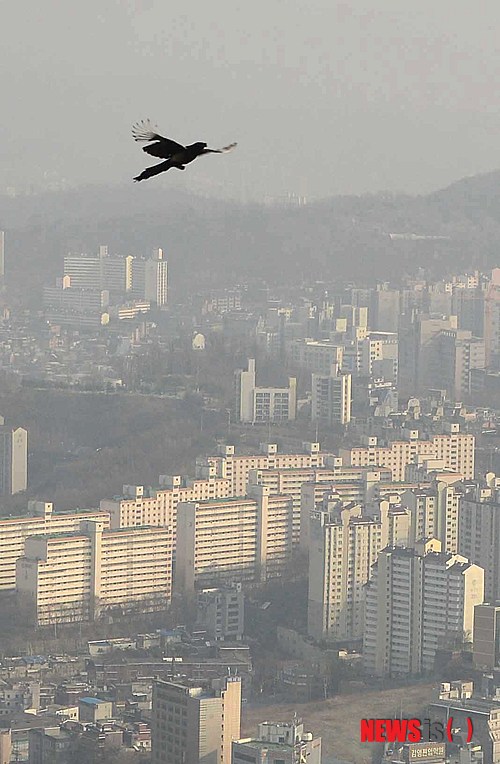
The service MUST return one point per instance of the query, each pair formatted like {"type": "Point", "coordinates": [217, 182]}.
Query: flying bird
{"type": "Point", "coordinates": [175, 154]}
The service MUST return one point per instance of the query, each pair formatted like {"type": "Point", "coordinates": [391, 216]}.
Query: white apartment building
{"type": "Point", "coordinates": [358, 485]}
{"type": "Point", "coordinates": [289, 482]}
{"type": "Point", "coordinates": [101, 272]}
{"type": "Point", "coordinates": [13, 459]}
{"type": "Point", "coordinates": [150, 278]}
{"type": "Point", "coordinates": [139, 506]}
{"type": "Point", "coordinates": [240, 539]}
{"type": "Point", "coordinates": [235, 467]}
{"type": "Point", "coordinates": [434, 512]}
{"type": "Point", "coordinates": [417, 599]}
{"type": "Point", "coordinates": [456, 449]}
{"type": "Point", "coordinates": [263, 404]}
{"type": "Point", "coordinates": [41, 519]}
{"type": "Point", "coordinates": [78, 575]}
{"type": "Point", "coordinates": [344, 546]}
{"type": "Point", "coordinates": [331, 398]}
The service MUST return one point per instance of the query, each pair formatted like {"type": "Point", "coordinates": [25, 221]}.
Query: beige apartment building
{"type": "Point", "coordinates": [138, 506]}
{"type": "Point", "coordinates": [193, 724]}
{"type": "Point", "coordinates": [456, 450]}
{"type": "Point", "coordinates": [75, 576]}
{"type": "Point", "coordinates": [236, 467]}
{"type": "Point", "coordinates": [479, 532]}
{"type": "Point", "coordinates": [348, 484]}
{"type": "Point", "coordinates": [40, 519]}
{"type": "Point", "coordinates": [416, 601]}
{"type": "Point", "coordinates": [434, 513]}
{"type": "Point", "coordinates": [289, 482]}
{"type": "Point", "coordinates": [240, 539]}
{"type": "Point", "coordinates": [343, 548]}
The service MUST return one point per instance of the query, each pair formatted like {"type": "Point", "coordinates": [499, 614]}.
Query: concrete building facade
{"type": "Point", "coordinates": [455, 449]}
{"type": "Point", "coordinates": [240, 539]}
{"type": "Point", "coordinates": [417, 599]}
{"type": "Point", "coordinates": [40, 519]}
{"type": "Point", "coordinates": [78, 575]}
{"type": "Point", "coordinates": [13, 459]}
{"type": "Point", "coordinates": [343, 547]}
{"type": "Point", "coordinates": [193, 724]}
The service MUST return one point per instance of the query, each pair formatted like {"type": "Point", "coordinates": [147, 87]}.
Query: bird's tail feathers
{"type": "Point", "coordinates": [224, 149]}
{"type": "Point", "coordinates": [144, 131]}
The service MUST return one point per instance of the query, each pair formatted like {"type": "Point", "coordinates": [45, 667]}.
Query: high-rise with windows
{"type": "Point", "coordinates": [263, 404]}
{"type": "Point", "coordinates": [343, 547]}
{"type": "Point", "coordinates": [417, 601]}
{"type": "Point", "coordinates": [195, 724]}
{"type": "Point", "coordinates": [150, 278]}
{"type": "Point", "coordinates": [331, 398]}
{"type": "Point", "coordinates": [2, 257]}
{"type": "Point", "coordinates": [13, 459]}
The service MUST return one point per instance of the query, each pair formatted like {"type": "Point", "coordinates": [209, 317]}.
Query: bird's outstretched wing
{"type": "Point", "coordinates": [149, 172]}
{"type": "Point", "coordinates": [162, 147]}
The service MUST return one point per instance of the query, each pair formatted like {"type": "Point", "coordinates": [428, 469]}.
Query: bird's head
{"type": "Point", "coordinates": [199, 146]}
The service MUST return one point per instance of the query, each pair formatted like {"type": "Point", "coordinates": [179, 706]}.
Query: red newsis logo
{"type": "Point", "coordinates": [413, 731]}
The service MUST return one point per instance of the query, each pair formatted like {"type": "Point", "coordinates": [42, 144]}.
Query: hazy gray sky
{"type": "Point", "coordinates": [324, 97]}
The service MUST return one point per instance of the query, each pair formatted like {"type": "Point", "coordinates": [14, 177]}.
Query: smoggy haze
{"type": "Point", "coordinates": [323, 98]}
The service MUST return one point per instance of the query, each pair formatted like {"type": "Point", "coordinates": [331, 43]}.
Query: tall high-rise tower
{"type": "Point", "coordinates": [2, 257]}
{"type": "Point", "coordinates": [13, 459]}
{"type": "Point", "coordinates": [155, 279]}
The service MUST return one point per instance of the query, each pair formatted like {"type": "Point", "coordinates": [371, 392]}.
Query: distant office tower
{"type": "Point", "coordinates": [479, 532]}
{"type": "Point", "coordinates": [344, 545]}
{"type": "Point", "coordinates": [193, 724]}
{"type": "Point", "coordinates": [263, 404]}
{"type": "Point", "coordinates": [468, 306]}
{"type": "Point", "coordinates": [331, 398]}
{"type": "Point", "coordinates": [417, 601]}
{"type": "Point", "coordinates": [2, 257]}
{"type": "Point", "coordinates": [419, 361]}
{"type": "Point", "coordinates": [101, 272]}
{"type": "Point", "coordinates": [13, 459]}
{"type": "Point", "coordinates": [384, 309]}
{"type": "Point", "coordinates": [460, 354]}
{"type": "Point", "coordinates": [316, 356]}
{"type": "Point", "coordinates": [245, 386]}
{"type": "Point", "coordinates": [492, 321]}
{"type": "Point", "coordinates": [150, 278]}
{"type": "Point", "coordinates": [279, 743]}
{"type": "Point", "coordinates": [378, 356]}
{"type": "Point", "coordinates": [72, 306]}
{"type": "Point", "coordinates": [486, 637]}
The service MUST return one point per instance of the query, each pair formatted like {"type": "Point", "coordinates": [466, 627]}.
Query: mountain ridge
{"type": "Point", "coordinates": [213, 242]}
